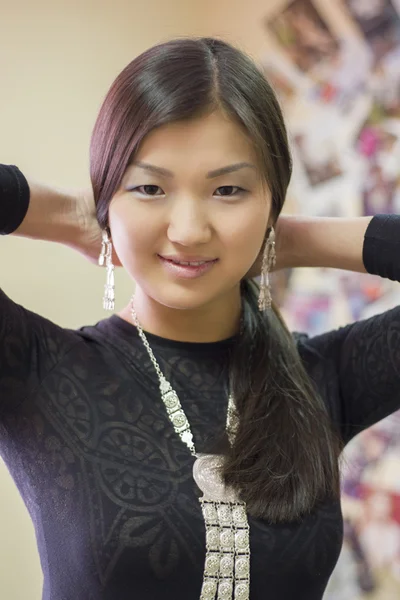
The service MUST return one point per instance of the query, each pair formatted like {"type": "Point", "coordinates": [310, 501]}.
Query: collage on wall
{"type": "Point", "coordinates": [338, 80]}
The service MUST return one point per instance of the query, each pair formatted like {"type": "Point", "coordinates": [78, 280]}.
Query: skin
{"type": "Point", "coordinates": [189, 214]}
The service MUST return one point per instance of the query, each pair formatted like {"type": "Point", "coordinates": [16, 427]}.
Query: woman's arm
{"type": "Point", "coordinates": [357, 366]}
{"type": "Point", "coordinates": [321, 242]}
{"type": "Point", "coordinates": [365, 244]}
{"type": "Point", "coordinates": [52, 216]}
{"type": "Point", "coordinates": [30, 345]}
{"type": "Point", "coordinates": [36, 211]}
{"type": "Point", "coordinates": [357, 370]}
{"type": "Point", "coordinates": [318, 242]}
{"type": "Point", "coordinates": [33, 210]}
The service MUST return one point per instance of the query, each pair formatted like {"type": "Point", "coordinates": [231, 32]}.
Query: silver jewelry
{"type": "Point", "coordinates": [268, 261]}
{"type": "Point", "coordinates": [227, 562]}
{"type": "Point", "coordinates": [106, 258]}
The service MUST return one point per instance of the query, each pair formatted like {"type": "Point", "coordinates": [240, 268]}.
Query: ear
{"type": "Point", "coordinates": [115, 258]}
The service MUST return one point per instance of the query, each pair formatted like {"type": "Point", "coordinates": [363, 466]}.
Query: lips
{"type": "Point", "coordinates": [194, 261]}
{"type": "Point", "coordinates": [188, 264]}
{"type": "Point", "coordinates": [184, 269]}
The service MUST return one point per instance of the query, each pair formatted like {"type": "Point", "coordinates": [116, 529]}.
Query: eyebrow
{"type": "Point", "coordinates": [210, 175]}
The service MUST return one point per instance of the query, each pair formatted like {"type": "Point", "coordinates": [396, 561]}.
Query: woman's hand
{"type": "Point", "coordinates": [89, 238]}
{"type": "Point", "coordinates": [66, 217]}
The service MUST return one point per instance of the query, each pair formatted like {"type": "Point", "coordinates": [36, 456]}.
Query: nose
{"type": "Point", "coordinates": [189, 223]}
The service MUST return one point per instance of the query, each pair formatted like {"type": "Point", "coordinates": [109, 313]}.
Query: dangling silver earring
{"type": "Point", "coordinates": [106, 257]}
{"type": "Point", "coordinates": [268, 261]}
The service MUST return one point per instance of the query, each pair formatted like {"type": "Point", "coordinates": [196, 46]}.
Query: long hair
{"type": "Point", "coordinates": [285, 457]}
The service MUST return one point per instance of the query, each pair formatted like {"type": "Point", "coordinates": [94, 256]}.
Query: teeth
{"type": "Point", "coordinates": [191, 264]}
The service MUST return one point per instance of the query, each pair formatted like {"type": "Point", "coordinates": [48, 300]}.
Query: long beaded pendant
{"type": "Point", "coordinates": [227, 562]}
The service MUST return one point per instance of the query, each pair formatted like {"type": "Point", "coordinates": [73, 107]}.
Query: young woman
{"type": "Point", "coordinates": [188, 447]}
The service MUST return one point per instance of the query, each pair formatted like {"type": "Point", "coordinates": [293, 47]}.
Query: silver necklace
{"type": "Point", "coordinates": [227, 562]}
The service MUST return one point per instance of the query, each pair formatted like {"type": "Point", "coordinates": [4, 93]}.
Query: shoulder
{"type": "Point", "coordinates": [30, 338]}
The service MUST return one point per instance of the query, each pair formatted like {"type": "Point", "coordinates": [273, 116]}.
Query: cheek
{"type": "Point", "coordinates": [246, 236]}
{"type": "Point", "coordinates": [130, 236]}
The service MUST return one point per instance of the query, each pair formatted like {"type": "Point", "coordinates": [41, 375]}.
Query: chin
{"type": "Point", "coordinates": [189, 294]}
{"type": "Point", "coordinates": [183, 301]}
{"type": "Point", "coordinates": [178, 298]}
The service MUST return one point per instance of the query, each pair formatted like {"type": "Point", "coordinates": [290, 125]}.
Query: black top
{"type": "Point", "coordinates": [108, 483]}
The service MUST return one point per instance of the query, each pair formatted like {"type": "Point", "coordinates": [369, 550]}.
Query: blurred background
{"type": "Point", "coordinates": [335, 65]}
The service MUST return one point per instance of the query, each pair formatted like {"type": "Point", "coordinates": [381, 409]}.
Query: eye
{"type": "Point", "coordinates": [149, 190]}
{"type": "Point", "coordinates": [231, 187]}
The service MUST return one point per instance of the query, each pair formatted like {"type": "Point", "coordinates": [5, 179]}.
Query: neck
{"type": "Point", "coordinates": [213, 322]}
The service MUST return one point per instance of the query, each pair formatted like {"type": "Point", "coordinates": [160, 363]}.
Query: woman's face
{"type": "Point", "coordinates": [172, 208]}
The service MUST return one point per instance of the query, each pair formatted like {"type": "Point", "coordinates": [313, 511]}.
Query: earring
{"type": "Point", "coordinates": [268, 261]}
{"type": "Point", "coordinates": [106, 257]}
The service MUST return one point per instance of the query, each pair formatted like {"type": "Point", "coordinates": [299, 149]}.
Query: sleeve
{"type": "Point", "coordinates": [30, 347]}
{"type": "Point", "coordinates": [18, 340]}
{"type": "Point", "coordinates": [357, 371]}
{"type": "Point", "coordinates": [381, 249]}
{"type": "Point", "coordinates": [14, 198]}
{"type": "Point", "coordinates": [357, 368]}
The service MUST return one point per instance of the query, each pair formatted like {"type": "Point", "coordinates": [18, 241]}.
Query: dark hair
{"type": "Point", "coordinates": [285, 457]}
